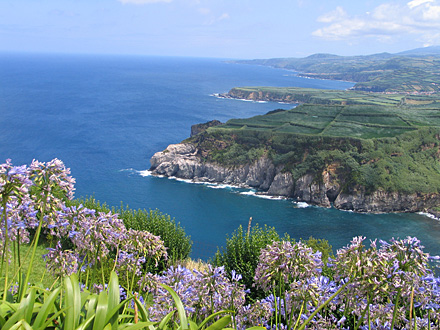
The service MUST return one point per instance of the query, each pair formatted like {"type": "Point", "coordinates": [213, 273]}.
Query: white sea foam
{"type": "Point", "coordinates": [301, 205]}
{"type": "Point", "coordinates": [145, 173]}
{"type": "Point", "coordinates": [256, 194]}
{"type": "Point", "coordinates": [220, 186]}
{"type": "Point", "coordinates": [180, 179]}
{"type": "Point", "coordinates": [429, 215]}
{"type": "Point", "coordinates": [213, 185]}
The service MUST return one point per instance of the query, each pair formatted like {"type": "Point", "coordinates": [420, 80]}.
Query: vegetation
{"type": "Point", "coordinates": [104, 282]}
{"type": "Point", "coordinates": [243, 249]}
{"type": "Point", "coordinates": [374, 73]}
{"type": "Point", "coordinates": [394, 148]}
{"type": "Point", "coordinates": [325, 96]}
{"type": "Point", "coordinates": [176, 241]}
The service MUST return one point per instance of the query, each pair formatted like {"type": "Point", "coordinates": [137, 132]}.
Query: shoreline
{"type": "Point", "coordinates": [254, 192]}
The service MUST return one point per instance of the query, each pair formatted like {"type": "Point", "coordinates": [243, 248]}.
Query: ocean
{"type": "Point", "coordinates": [105, 116]}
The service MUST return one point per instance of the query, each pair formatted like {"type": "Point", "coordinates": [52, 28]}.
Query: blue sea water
{"type": "Point", "coordinates": [105, 116]}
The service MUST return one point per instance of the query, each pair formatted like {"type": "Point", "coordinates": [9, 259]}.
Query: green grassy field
{"type": "Point", "coordinates": [354, 121]}
{"type": "Point", "coordinates": [39, 274]}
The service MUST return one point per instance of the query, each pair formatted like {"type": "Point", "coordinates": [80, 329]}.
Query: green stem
{"type": "Point", "coordinates": [369, 318]}
{"type": "Point", "coordinates": [34, 248]}
{"type": "Point", "coordinates": [300, 313]}
{"type": "Point", "coordinates": [102, 272]}
{"type": "Point", "coordinates": [362, 315]}
{"type": "Point", "coordinates": [302, 327]}
{"type": "Point", "coordinates": [395, 309]}
{"type": "Point", "coordinates": [5, 248]}
{"type": "Point", "coordinates": [276, 306]}
{"type": "Point", "coordinates": [429, 319]}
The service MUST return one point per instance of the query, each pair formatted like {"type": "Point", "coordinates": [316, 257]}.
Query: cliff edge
{"type": "Point", "coordinates": [327, 189]}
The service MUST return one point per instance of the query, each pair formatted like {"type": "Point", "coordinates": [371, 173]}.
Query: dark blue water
{"type": "Point", "coordinates": [106, 116]}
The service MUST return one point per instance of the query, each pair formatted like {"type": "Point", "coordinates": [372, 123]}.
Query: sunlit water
{"type": "Point", "coordinates": [106, 116]}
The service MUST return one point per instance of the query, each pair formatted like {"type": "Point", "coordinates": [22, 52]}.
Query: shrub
{"type": "Point", "coordinates": [176, 241]}
{"type": "Point", "coordinates": [242, 252]}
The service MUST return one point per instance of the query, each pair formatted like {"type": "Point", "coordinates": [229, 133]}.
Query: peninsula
{"type": "Point", "coordinates": [353, 150]}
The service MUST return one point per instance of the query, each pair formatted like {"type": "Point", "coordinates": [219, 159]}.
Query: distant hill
{"type": "Point", "coordinates": [431, 50]}
{"type": "Point", "coordinates": [413, 72]}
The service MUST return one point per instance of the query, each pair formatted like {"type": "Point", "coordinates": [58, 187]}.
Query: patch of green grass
{"type": "Point", "coordinates": [39, 273]}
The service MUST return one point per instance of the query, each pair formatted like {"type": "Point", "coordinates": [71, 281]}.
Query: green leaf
{"type": "Point", "coordinates": [72, 302]}
{"type": "Point", "coordinates": [140, 325]}
{"type": "Point", "coordinates": [220, 324]}
{"type": "Point", "coordinates": [15, 317]}
{"type": "Point", "coordinates": [210, 317]}
{"type": "Point", "coordinates": [141, 308]}
{"type": "Point", "coordinates": [113, 299]}
{"type": "Point", "coordinates": [28, 305]}
{"type": "Point", "coordinates": [21, 325]}
{"type": "Point", "coordinates": [50, 320]}
{"type": "Point", "coordinates": [46, 308]}
{"type": "Point", "coordinates": [165, 320]}
{"type": "Point", "coordinates": [179, 307]}
{"type": "Point", "coordinates": [92, 301]}
{"type": "Point", "coordinates": [86, 323]}
{"type": "Point", "coordinates": [101, 311]}
{"type": "Point", "coordinates": [193, 325]}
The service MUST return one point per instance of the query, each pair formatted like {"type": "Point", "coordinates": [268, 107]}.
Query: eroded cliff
{"type": "Point", "coordinates": [326, 189]}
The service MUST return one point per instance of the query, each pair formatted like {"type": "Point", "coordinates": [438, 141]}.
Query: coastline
{"type": "Point", "coordinates": [249, 191]}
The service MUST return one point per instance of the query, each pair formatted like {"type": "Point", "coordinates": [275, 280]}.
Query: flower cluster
{"type": "Point", "coordinates": [386, 287]}
{"type": "Point", "coordinates": [35, 197]}
{"type": "Point", "coordinates": [61, 262]}
{"type": "Point", "coordinates": [99, 239]}
{"type": "Point", "coordinates": [202, 292]}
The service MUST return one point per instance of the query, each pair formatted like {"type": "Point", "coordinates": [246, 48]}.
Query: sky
{"type": "Point", "coordinates": [240, 29]}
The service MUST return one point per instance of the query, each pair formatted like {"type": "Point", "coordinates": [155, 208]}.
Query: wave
{"type": "Point", "coordinates": [301, 205]}
{"type": "Point", "coordinates": [259, 195]}
{"type": "Point", "coordinates": [429, 215]}
{"type": "Point", "coordinates": [145, 173]}
{"type": "Point", "coordinates": [213, 185]}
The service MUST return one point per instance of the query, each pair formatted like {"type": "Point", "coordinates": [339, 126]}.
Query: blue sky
{"type": "Point", "coordinates": [220, 28]}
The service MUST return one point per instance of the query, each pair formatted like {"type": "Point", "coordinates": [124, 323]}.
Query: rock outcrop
{"type": "Point", "coordinates": [199, 128]}
{"type": "Point", "coordinates": [326, 190]}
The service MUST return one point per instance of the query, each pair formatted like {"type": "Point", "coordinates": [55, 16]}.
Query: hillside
{"type": "Point", "coordinates": [381, 154]}
{"type": "Point", "coordinates": [353, 150]}
{"type": "Point", "coordinates": [412, 72]}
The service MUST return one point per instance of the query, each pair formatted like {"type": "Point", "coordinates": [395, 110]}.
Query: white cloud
{"type": "Point", "coordinates": [335, 15]}
{"type": "Point", "coordinates": [431, 13]}
{"type": "Point", "coordinates": [143, 2]}
{"type": "Point", "coordinates": [415, 3]}
{"type": "Point", "coordinates": [419, 18]}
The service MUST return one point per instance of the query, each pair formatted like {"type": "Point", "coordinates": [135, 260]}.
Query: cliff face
{"type": "Point", "coordinates": [182, 160]}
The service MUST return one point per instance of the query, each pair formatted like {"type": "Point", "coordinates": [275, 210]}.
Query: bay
{"type": "Point", "coordinates": [105, 116]}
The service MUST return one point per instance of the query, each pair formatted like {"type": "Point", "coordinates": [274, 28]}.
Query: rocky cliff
{"type": "Point", "coordinates": [183, 161]}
